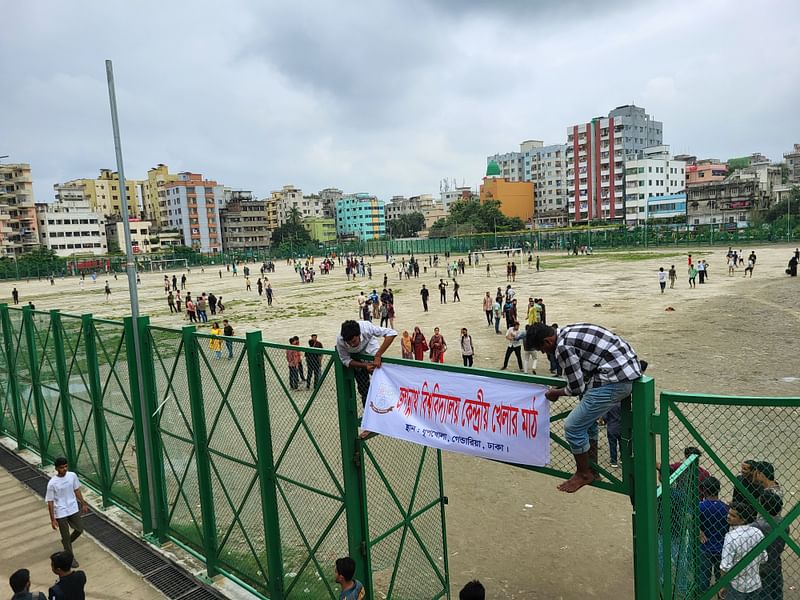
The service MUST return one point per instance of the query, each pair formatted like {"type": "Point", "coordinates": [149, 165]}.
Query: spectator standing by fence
{"type": "Point", "coordinates": [419, 344]}
{"type": "Point", "coordinates": [313, 362]}
{"type": "Point", "coordinates": [293, 359]}
{"type": "Point", "coordinates": [467, 347]}
{"type": "Point", "coordinates": [227, 330]}
{"type": "Point", "coordinates": [438, 346]}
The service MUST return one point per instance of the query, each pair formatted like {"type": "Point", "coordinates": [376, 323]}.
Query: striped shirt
{"type": "Point", "coordinates": [592, 356]}
{"type": "Point", "coordinates": [738, 542]}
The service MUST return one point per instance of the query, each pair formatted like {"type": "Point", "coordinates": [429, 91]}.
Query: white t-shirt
{"type": "Point", "coordinates": [61, 492]}
{"type": "Point", "coordinates": [662, 277]}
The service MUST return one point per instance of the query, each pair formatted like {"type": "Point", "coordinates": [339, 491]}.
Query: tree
{"type": "Point", "coordinates": [406, 225]}
{"type": "Point", "coordinates": [474, 216]}
{"type": "Point", "coordinates": [290, 231]}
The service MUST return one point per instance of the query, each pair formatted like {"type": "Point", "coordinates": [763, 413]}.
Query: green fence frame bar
{"type": "Point", "coordinates": [11, 361]}
{"type": "Point", "coordinates": [266, 463]}
{"type": "Point", "coordinates": [98, 414]}
{"type": "Point", "coordinates": [352, 462]}
{"type": "Point", "coordinates": [138, 427]}
{"type": "Point", "coordinates": [666, 502]}
{"type": "Point", "coordinates": [202, 458]}
{"type": "Point", "coordinates": [36, 389]}
{"type": "Point", "coordinates": [63, 386]}
{"type": "Point", "coordinates": [645, 545]}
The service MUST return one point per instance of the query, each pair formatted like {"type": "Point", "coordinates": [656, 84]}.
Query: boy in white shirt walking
{"type": "Point", "coordinates": [65, 504]}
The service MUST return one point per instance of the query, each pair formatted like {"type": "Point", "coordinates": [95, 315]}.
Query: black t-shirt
{"type": "Point", "coordinates": [424, 293]}
{"type": "Point", "coordinates": [69, 587]}
{"type": "Point", "coordinates": [228, 330]}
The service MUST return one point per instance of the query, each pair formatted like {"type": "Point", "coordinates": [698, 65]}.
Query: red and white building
{"type": "Point", "coordinates": [595, 156]}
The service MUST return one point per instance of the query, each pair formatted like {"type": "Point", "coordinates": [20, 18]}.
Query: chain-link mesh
{"type": "Point", "coordinates": [7, 423]}
{"type": "Point", "coordinates": [749, 459]}
{"type": "Point", "coordinates": [307, 452]}
{"type": "Point", "coordinates": [174, 427]}
{"type": "Point", "coordinates": [115, 383]}
{"type": "Point", "coordinates": [233, 458]}
{"type": "Point", "coordinates": [24, 379]}
{"type": "Point", "coordinates": [49, 386]}
{"type": "Point", "coordinates": [88, 464]}
{"type": "Point", "coordinates": [405, 522]}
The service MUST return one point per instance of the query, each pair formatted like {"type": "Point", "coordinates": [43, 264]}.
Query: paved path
{"type": "Point", "coordinates": [27, 540]}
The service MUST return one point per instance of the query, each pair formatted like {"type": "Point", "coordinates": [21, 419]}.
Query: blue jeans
{"type": "Point", "coordinates": [497, 324]}
{"type": "Point", "coordinates": [614, 443]}
{"type": "Point", "coordinates": [581, 424]}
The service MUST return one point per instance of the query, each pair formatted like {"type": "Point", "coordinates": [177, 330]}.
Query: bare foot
{"type": "Point", "coordinates": [576, 482]}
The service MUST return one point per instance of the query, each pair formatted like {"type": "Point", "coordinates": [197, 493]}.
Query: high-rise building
{"type": "Point", "coordinates": [103, 193]}
{"type": "Point", "coordinates": [456, 194]}
{"type": "Point", "coordinates": [706, 170]}
{"type": "Point", "coordinates": [516, 197]}
{"type": "Point", "coordinates": [792, 159]}
{"type": "Point", "coordinates": [320, 229]}
{"type": "Point", "coordinates": [244, 222]}
{"type": "Point", "coordinates": [655, 188]}
{"type": "Point", "coordinates": [511, 164]}
{"type": "Point", "coordinates": [546, 167]}
{"type": "Point", "coordinates": [18, 231]}
{"type": "Point", "coordinates": [361, 216]}
{"type": "Point", "coordinates": [154, 203]}
{"type": "Point", "coordinates": [69, 226]}
{"type": "Point", "coordinates": [140, 235]}
{"type": "Point", "coordinates": [284, 202]}
{"type": "Point", "coordinates": [596, 154]}
{"type": "Point", "coordinates": [329, 196]}
{"type": "Point", "coordinates": [193, 206]}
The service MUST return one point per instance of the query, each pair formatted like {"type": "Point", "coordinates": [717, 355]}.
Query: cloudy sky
{"type": "Point", "coordinates": [382, 97]}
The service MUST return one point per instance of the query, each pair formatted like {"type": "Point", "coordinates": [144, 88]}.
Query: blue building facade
{"type": "Point", "coordinates": [360, 215]}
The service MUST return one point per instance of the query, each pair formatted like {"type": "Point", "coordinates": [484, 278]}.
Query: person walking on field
{"type": "Point", "coordinates": [662, 279]}
{"type": "Point", "coordinates": [171, 302]}
{"type": "Point", "coordinates": [456, 297]}
{"type": "Point", "coordinates": [514, 346]}
{"type": "Point", "coordinates": [692, 276]}
{"type": "Point", "coordinates": [600, 367]}
{"type": "Point", "coordinates": [438, 346]}
{"type": "Point", "coordinates": [313, 362]}
{"type": "Point", "coordinates": [227, 331]}
{"type": "Point", "coordinates": [65, 504]}
{"type": "Point", "coordinates": [293, 359]}
{"type": "Point", "coordinates": [108, 291]}
{"type": "Point", "coordinates": [442, 291]}
{"type": "Point", "coordinates": [419, 344]}
{"type": "Point", "coordinates": [487, 308]}
{"type": "Point", "coordinates": [406, 347]}
{"type": "Point", "coordinates": [673, 275]}
{"type": "Point", "coordinates": [424, 293]}
{"type": "Point", "coordinates": [269, 294]}
{"type": "Point", "coordinates": [467, 348]}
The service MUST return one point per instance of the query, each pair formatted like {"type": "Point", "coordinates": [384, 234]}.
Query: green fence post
{"type": "Point", "coordinates": [139, 421]}
{"type": "Point", "coordinates": [202, 459]}
{"type": "Point", "coordinates": [11, 361]}
{"type": "Point", "coordinates": [645, 547]}
{"type": "Point", "coordinates": [266, 463]}
{"type": "Point", "coordinates": [65, 400]}
{"type": "Point", "coordinates": [352, 456]}
{"type": "Point", "coordinates": [98, 413]}
{"type": "Point", "coordinates": [36, 387]}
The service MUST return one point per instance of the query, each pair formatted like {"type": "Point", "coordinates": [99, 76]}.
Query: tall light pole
{"type": "Point", "coordinates": [133, 291]}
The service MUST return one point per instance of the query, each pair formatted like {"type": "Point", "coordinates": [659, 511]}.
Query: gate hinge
{"type": "Point", "coordinates": [363, 548]}
{"type": "Point", "coordinates": [357, 457]}
{"type": "Point", "coordinates": [445, 500]}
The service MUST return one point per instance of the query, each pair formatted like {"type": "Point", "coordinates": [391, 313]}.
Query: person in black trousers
{"type": "Point", "coordinates": [424, 292]}
{"type": "Point", "coordinates": [514, 346]}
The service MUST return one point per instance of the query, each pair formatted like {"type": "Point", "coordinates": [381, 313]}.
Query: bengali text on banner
{"type": "Point", "coordinates": [472, 414]}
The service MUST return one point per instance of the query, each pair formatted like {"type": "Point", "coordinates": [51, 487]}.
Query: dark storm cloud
{"type": "Point", "coordinates": [385, 97]}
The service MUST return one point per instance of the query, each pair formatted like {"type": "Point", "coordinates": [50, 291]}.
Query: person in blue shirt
{"type": "Point", "coordinates": [352, 589]}
{"type": "Point", "coordinates": [713, 527]}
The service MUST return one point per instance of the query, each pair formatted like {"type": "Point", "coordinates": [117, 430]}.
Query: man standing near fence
{"type": "Point", "coordinates": [65, 504]}
{"type": "Point", "coordinates": [359, 337]}
{"type": "Point", "coordinates": [600, 367]}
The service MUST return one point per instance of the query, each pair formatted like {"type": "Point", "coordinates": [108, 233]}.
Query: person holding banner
{"type": "Point", "coordinates": [359, 337]}
{"type": "Point", "coordinates": [600, 367]}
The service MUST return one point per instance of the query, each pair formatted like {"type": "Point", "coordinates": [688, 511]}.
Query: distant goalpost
{"type": "Point", "coordinates": [168, 264]}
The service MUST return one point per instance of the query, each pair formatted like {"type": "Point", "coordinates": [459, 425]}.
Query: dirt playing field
{"type": "Point", "coordinates": [509, 527]}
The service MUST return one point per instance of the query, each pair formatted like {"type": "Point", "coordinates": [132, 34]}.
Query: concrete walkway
{"type": "Point", "coordinates": [27, 541]}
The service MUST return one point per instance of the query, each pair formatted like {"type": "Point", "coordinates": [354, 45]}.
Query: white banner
{"type": "Point", "coordinates": [472, 414]}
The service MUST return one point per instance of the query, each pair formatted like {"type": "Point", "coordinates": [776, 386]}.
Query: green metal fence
{"type": "Point", "coordinates": [259, 470]}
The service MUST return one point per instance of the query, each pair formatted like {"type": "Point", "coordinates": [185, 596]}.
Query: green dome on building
{"type": "Point", "coordinates": [493, 169]}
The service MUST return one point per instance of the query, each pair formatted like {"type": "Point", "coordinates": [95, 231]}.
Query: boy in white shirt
{"type": "Point", "coordinates": [742, 538]}
{"type": "Point", "coordinates": [65, 504]}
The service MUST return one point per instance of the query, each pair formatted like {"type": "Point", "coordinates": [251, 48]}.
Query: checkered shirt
{"type": "Point", "coordinates": [591, 356]}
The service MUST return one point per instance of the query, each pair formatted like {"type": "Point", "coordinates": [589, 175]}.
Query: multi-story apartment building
{"type": "Point", "coordinates": [103, 193]}
{"type": "Point", "coordinates": [290, 198]}
{"type": "Point", "coordinates": [321, 229]}
{"type": "Point", "coordinates": [706, 170]}
{"type": "Point", "coordinates": [731, 203]}
{"type": "Point", "coordinates": [361, 216]}
{"type": "Point", "coordinates": [456, 194]}
{"type": "Point", "coordinates": [596, 154]}
{"type": "Point", "coordinates": [18, 231]}
{"type": "Point", "coordinates": [69, 226]}
{"type": "Point", "coordinates": [546, 167]}
{"type": "Point", "coordinates": [244, 222]}
{"type": "Point", "coordinates": [792, 160]}
{"type": "Point", "coordinates": [511, 164]}
{"type": "Point", "coordinates": [655, 188]}
{"type": "Point", "coordinates": [193, 206]}
{"type": "Point", "coordinates": [154, 203]}
{"type": "Point", "coordinates": [140, 235]}
{"type": "Point", "coordinates": [329, 196]}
